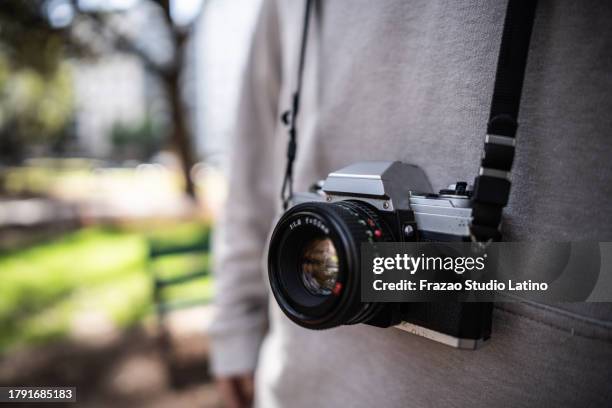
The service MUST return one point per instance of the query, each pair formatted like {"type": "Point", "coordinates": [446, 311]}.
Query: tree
{"type": "Point", "coordinates": [169, 74]}
{"type": "Point", "coordinates": [36, 101]}
{"type": "Point", "coordinates": [65, 20]}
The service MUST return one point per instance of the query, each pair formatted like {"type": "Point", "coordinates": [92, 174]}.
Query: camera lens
{"type": "Point", "coordinates": [314, 262]}
{"type": "Point", "coordinates": [319, 266]}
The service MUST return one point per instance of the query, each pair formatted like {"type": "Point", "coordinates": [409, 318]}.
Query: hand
{"type": "Point", "coordinates": [236, 391]}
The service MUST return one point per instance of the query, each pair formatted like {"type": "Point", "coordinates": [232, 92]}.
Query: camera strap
{"type": "Point", "coordinates": [289, 117]}
{"type": "Point", "coordinates": [492, 185]}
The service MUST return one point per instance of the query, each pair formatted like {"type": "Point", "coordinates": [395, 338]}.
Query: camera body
{"type": "Point", "coordinates": [319, 239]}
{"type": "Point", "coordinates": [403, 197]}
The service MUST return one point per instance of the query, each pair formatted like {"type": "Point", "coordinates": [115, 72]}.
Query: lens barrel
{"type": "Point", "coordinates": [314, 262]}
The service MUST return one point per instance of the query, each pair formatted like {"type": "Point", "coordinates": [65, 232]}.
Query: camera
{"type": "Point", "coordinates": [315, 251]}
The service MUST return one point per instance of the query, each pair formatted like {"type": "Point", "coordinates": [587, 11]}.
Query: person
{"type": "Point", "coordinates": [412, 81]}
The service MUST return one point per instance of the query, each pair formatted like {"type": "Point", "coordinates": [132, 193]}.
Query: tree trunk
{"type": "Point", "coordinates": [181, 135]}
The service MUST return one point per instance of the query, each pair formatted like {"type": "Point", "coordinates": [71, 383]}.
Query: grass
{"type": "Point", "coordinates": [41, 175]}
{"type": "Point", "coordinates": [48, 289]}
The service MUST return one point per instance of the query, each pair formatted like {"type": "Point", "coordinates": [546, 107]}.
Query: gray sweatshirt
{"type": "Point", "coordinates": [412, 81]}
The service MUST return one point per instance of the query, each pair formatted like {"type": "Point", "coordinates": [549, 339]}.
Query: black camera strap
{"type": "Point", "coordinates": [492, 185]}
{"type": "Point", "coordinates": [289, 117]}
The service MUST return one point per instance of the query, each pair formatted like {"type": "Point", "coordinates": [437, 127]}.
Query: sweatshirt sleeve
{"type": "Point", "coordinates": [240, 319]}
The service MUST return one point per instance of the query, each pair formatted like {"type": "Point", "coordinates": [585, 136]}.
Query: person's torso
{"type": "Point", "coordinates": [412, 81]}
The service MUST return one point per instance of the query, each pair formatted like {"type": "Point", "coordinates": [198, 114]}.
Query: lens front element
{"type": "Point", "coordinates": [319, 266]}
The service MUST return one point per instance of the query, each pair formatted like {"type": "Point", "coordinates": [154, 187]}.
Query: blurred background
{"type": "Point", "coordinates": [114, 124]}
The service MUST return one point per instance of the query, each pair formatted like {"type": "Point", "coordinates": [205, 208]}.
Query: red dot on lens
{"type": "Point", "coordinates": [378, 233]}
{"type": "Point", "coordinates": [337, 288]}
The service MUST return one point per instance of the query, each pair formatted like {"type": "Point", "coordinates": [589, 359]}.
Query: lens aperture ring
{"type": "Point", "coordinates": [369, 222]}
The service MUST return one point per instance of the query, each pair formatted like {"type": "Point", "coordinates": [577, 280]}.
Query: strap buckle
{"type": "Point", "coordinates": [489, 172]}
{"type": "Point", "coordinates": [500, 140]}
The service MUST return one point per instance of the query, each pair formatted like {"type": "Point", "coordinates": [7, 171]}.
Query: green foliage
{"type": "Point", "coordinates": [36, 97]}
{"type": "Point", "coordinates": [49, 290]}
{"type": "Point", "coordinates": [35, 107]}
{"type": "Point", "coordinates": [137, 140]}
{"type": "Point", "coordinates": [28, 40]}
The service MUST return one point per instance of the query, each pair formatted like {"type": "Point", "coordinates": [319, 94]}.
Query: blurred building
{"type": "Point", "coordinates": [108, 92]}
{"type": "Point", "coordinates": [118, 89]}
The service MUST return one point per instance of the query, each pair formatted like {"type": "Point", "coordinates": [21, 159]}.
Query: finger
{"type": "Point", "coordinates": [229, 393]}
{"type": "Point", "coordinates": [247, 389]}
